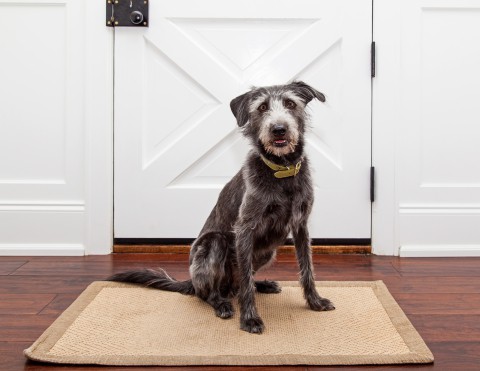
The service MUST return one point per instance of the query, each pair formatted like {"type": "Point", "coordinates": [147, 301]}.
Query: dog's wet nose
{"type": "Point", "coordinates": [279, 130]}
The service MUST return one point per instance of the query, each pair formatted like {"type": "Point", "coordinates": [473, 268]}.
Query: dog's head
{"type": "Point", "coordinates": [274, 116]}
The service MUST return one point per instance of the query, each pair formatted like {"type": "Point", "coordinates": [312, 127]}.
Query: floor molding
{"type": "Point", "coordinates": [421, 251]}
{"type": "Point", "coordinates": [42, 249]}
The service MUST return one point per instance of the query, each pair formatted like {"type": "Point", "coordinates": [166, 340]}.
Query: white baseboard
{"type": "Point", "coordinates": [414, 251]}
{"type": "Point", "coordinates": [72, 249]}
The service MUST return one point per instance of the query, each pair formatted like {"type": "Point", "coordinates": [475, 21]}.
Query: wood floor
{"type": "Point", "coordinates": [441, 296]}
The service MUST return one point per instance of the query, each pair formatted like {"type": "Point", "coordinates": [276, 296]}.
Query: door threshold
{"type": "Point", "coordinates": [287, 249]}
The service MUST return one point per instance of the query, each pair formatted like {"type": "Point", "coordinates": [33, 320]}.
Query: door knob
{"type": "Point", "coordinates": [136, 17]}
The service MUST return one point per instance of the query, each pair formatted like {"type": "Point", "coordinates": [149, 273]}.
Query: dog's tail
{"type": "Point", "coordinates": [155, 278]}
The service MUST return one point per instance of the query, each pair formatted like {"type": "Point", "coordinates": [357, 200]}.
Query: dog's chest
{"type": "Point", "coordinates": [287, 205]}
{"type": "Point", "coordinates": [276, 204]}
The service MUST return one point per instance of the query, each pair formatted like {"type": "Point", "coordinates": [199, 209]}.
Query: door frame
{"type": "Point", "coordinates": [99, 151]}
{"type": "Point", "coordinates": [99, 63]}
{"type": "Point", "coordinates": [386, 34]}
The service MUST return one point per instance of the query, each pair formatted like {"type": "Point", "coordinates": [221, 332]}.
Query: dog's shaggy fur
{"type": "Point", "coordinates": [255, 212]}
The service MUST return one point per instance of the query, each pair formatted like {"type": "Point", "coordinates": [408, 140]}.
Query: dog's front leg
{"type": "Point", "coordinates": [249, 319]}
{"type": "Point", "coordinates": [307, 280]}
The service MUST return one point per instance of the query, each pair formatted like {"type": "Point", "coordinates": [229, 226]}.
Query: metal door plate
{"type": "Point", "coordinates": [119, 13]}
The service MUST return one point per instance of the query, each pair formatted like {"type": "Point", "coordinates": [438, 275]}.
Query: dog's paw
{"type": "Point", "coordinates": [268, 287]}
{"type": "Point", "coordinates": [224, 310]}
{"type": "Point", "coordinates": [320, 304]}
{"type": "Point", "coordinates": [252, 325]}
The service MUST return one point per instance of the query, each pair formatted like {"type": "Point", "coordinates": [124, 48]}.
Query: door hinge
{"type": "Point", "coordinates": [127, 13]}
{"type": "Point", "coordinates": [372, 184]}
{"type": "Point", "coordinates": [372, 59]}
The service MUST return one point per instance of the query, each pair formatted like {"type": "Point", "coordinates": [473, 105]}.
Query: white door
{"type": "Point", "coordinates": [176, 140]}
{"type": "Point", "coordinates": [437, 177]}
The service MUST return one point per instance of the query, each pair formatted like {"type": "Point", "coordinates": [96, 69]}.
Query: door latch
{"type": "Point", "coordinates": [127, 13]}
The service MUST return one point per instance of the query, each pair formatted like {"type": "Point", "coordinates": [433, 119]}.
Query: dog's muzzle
{"type": "Point", "coordinates": [279, 131]}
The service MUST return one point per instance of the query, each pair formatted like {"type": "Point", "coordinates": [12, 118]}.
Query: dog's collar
{"type": "Point", "coordinates": [282, 171]}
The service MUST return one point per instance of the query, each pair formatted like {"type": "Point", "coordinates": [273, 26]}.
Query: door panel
{"type": "Point", "coordinates": [437, 177]}
{"type": "Point", "coordinates": [176, 141]}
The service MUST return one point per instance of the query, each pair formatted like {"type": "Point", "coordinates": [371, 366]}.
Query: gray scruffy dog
{"type": "Point", "coordinates": [271, 196]}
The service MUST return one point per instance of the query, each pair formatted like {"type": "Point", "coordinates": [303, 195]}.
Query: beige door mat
{"type": "Point", "coordinates": [121, 324]}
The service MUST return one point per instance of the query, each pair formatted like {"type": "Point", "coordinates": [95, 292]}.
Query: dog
{"type": "Point", "coordinates": [270, 197]}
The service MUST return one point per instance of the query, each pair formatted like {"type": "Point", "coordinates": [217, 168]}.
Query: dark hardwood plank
{"type": "Point", "coordinates": [97, 258]}
{"type": "Point", "coordinates": [40, 268]}
{"type": "Point", "coordinates": [54, 258]}
{"type": "Point", "coordinates": [438, 285]}
{"type": "Point", "coordinates": [458, 304]}
{"type": "Point", "coordinates": [8, 267]}
{"type": "Point", "coordinates": [24, 303]}
{"type": "Point", "coordinates": [11, 355]}
{"type": "Point", "coordinates": [59, 304]}
{"type": "Point", "coordinates": [341, 267]}
{"type": "Point", "coordinates": [447, 328]}
{"type": "Point", "coordinates": [46, 284]}
{"type": "Point", "coordinates": [27, 327]}
{"type": "Point", "coordinates": [150, 257]}
{"type": "Point", "coordinates": [438, 267]}
{"type": "Point", "coordinates": [355, 266]}
{"type": "Point", "coordinates": [450, 356]}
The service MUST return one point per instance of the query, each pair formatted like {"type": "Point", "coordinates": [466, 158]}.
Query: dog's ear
{"type": "Point", "coordinates": [306, 92]}
{"type": "Point", "coordinates": [239, 107]}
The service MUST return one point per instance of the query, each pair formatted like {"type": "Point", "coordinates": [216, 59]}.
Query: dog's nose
{"type": "Point", "coordinates": [279, 130]}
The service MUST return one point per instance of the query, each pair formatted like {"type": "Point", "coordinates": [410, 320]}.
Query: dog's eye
{"type": "Point", "coordinates": [263, 107]}
{"type": "Point", "coordinates": [290, 104]}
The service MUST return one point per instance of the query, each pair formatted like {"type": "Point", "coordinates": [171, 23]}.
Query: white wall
{"type": "Point", "coordinates": [426, 128]}
{"type": "Point", "coordinates": [55, 128]}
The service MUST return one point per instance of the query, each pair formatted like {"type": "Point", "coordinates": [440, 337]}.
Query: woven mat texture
{"type": "Point", "coordinates": [121, 324]}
